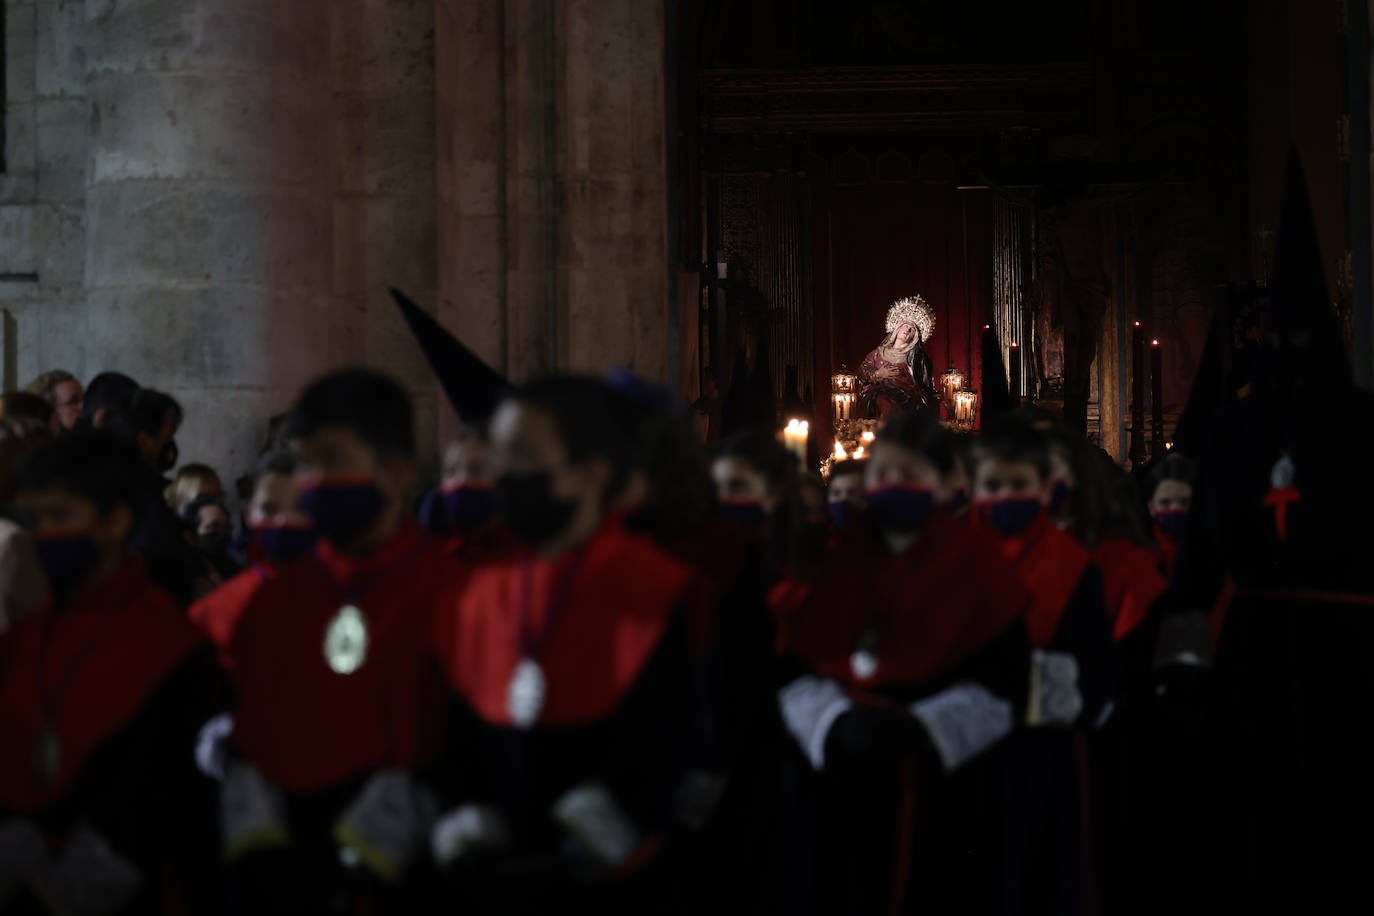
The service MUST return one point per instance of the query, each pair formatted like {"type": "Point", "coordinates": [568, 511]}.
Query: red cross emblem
{"type": "Point", "coordinates": [1282, 494]}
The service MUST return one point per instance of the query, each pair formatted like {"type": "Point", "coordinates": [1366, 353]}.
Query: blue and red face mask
{"type": "Point", "coordinates": [468, 506]}
{"type": "Point", "coordinates": [1010, 515]}
{"type": "Point", "coordinates": [747, 513]}
{"type": "Point", "coordinates": [342, 508]}
{"type": "Point", "coordinates": [902, 508]}
{"type": "Point", "coordinates": [1171, 523]}
{"type": "Point", "coordinates": [280, 544]}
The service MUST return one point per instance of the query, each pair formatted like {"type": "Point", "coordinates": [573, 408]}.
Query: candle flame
{"type": "Point", "coordinates": [858, 453]}
{"type": "Point", "coordinates": [867, 436]}
{"type": "Point", "coordinates": [840, 453]}
{"type": "Point", "coordinates": [1154, 343]}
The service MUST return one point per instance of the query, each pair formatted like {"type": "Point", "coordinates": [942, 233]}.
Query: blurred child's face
{"type": "Point", "coordinates": [813, 499]}
{"type": "Point", "coordinates": [1172, 496]}
{"type": "Point", "coordinates": [530, 463]}
{"type": "Point", "coordinates": [212, 520]}
{"type": "Point", "coordinates": [891, 465]}
{"type": "Point", "coordinates": [997, 478]}
{"type": "Point", "coordinates": [57, 512]}
{"type": "Point", "coordinates": [337, 452]}
{"type": "Point", "coordinates": [847, 488]}
{"type": "Point", "coordinates": [738, 481]}
{"type": "Point", "coordinates": [467, 462]}
{"type": "Point", "coordinates": [274, 502]}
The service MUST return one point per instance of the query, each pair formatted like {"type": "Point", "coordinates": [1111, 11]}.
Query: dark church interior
{"type": "Point", "coordinates": [686, 457]}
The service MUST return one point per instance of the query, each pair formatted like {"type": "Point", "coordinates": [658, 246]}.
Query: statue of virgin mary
{"type": "Point", "coordinates": [897, 375]}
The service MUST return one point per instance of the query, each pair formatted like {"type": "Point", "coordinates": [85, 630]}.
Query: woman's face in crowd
{"type": "Point", "coordinates": [1172, 496]}
{"type": "Point", "coordinates": [847, 488]}
{"type": "Point", "coordinates": [467, 462]}
{"type": "Point", "coordinates": [892, 465]}
{"type": "Point", "coordinates": [738, 481]}
{"type": "Point", "coordinates": [274, 502]}
{"type": "Point", "coordinates": [997, 478]}
{"type": "Point", "coordinates": [525, 441]}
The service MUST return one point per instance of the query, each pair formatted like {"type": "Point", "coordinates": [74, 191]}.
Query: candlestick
{"type": "Point", "coordinates": [795, 436]}
{"type": "Point", "coordinates": [1137, 395]}
{"type": "Point", "coordinates": [1156, 400]}
{"type": "Point", "coordinates": [1014, 373]}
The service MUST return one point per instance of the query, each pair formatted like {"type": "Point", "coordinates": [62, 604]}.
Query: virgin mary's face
{"type": "Point", "coordinates": [906, 334]}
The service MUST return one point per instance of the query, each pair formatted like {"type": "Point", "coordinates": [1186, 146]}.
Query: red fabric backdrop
{"type": "Point", "coordinates": [879, 242]}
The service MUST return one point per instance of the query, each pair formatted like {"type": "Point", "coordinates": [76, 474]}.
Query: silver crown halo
{"type": "Point", "coordinates": [915, 311]}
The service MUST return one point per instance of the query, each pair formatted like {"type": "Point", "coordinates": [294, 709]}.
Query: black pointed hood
{"type": "Point", "coordinates": [1211, 386]}
{"type": "Point", "coordinates": [995, 398]}
{"type": "Point", "coordinates": [473, 388]}
{"type": "Point", "coordinates": [1303, 343]}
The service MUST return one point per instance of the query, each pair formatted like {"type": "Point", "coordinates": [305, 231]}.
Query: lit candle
{"type": "Point", "coordinates": [867, 437]}
{"type": "Point", "coordinates": [1137, 395]}
{"type": "Point", "coordinates": [795, 436]}
{"type": "Point", "coordinates": [1014, 373]}
{"type": "Point", "coordinates": [840, 454]}
{"type": "Point", "coordinates": [1156, 399]}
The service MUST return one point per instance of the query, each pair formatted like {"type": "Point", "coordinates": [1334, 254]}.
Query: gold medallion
{"type": "Point", "coordinates": [345, 640]}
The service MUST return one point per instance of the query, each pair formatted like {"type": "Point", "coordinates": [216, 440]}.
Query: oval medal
{"type": "Point", "coordinates": [864, 664]}
{"type": "Point", "coordinates": [345, 640]}
{"type": "Point", "coordinates": [525, 695]}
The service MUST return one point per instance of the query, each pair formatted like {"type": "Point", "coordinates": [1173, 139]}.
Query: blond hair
{"type": "Point", "coordinates": [188, 483]}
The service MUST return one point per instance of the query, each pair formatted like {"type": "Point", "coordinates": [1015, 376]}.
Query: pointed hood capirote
{"type": "Point", "coordinates": [472, 387]}
{"type": "Point", "coordinates": [996, 393]}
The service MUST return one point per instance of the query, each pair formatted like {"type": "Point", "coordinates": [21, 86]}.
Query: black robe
{"type": "Point", "coordinates": [887, 823]}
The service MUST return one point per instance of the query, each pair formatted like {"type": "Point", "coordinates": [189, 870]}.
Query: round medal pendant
{"type": "Point", "coordinates": [525, 695]}
{"type": "Point", "coordinates": [47, 756]}
{"type": "Point", "coordinates": [345, 640]}
{"type": "Point", "coordinates": [864, 664]}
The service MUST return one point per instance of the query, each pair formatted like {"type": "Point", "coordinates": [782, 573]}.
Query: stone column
{"type": "Point", "coordinates": [552, 191]}
{"type": "Point", "coordinates": [210, 191]}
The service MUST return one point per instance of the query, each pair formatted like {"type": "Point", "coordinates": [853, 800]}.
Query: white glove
{"type": "Point", "coordinates": [22, 852]}
{"type": "Point", "coordinates": [1054, 698]}
{"type": "Point", "coordinates": [89, 879]}
{"type": "Point", "coordinates": [698, 797]}
{"type": "Point", "coordinates": [465, 829]}
{"type": "Point", "coordinates": [591, 814]}
{"type": "Point", "coordinates": [810, 705]}
{"type": "Point", "coordinates": [388, 825]}
{"type": "Point", "coordinates": [212, 746]}
{"type": "Point", "coordinates": [963, 721]}
{"type": "Point", "coordinates": [252, 811]}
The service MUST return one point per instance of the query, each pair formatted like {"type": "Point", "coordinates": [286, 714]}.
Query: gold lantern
{"type": "Point", "coordinates": [842, 394]}
{"type": "Point", "coordinates": [951, 383]}
{"type": "Point", "coordinates": [965, 408]}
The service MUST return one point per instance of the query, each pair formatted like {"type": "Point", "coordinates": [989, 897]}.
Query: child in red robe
{"type": "Point", "coordinates": [101, 692]}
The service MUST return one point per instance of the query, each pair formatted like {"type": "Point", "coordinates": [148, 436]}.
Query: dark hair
{"type": "Point", "coordinates": [1011, 439]}
{"type": "Point", "coordinates": [1172, 467]}
{"type": "Point", "coordinates": [281, 462]}
{"type": "Point", "coordinates": [1036, 416]}
{"type": "Point", "coordinates": [673, 462]}
{"type": "Point", "coordinates": [145, 413]}
{"type": "Point", "coordinates": [763, 453]}
{"type": "Point", "coordinates": [108, 391]}
{"type": "Point", "coordinates": [592, 420]}
{"type": "Point", "coordinates": [922, 434]}
{"type": "Point", "coordinates": [24, 404]}
{"type": "Point", "coordinates": [190, 513]}
{"type": "Point", "coordinates": [850, 468]}
{"type": "Point", "coordinates": [370, 405]}
{"type": "Point", "coordinates": [93, 464]}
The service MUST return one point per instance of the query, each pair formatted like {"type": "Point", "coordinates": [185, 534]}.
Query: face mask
{"type": "Point", "coordinates": [468, 507]}
{"type": "Point", "coordinates": [526, 504]}
{"type": "Point", "coordinates": [342, 509]}
{"type": "Point", "coordinates": [842, 512]}
{"type": "Point", "coordinates": [1059, 497]}
{"type": "Point", "coordinates": [902, 508]}
{"type": "Point", "coordinates": [66, 559]}
{"type": "Point", "coordinates": [281, 544]}
{"type": "Point", "coordinates": [214, 543]}
{"type": "Point", "coordinates": [747, 513]}
{"type": "Point", "coordinates": [1010, 516]}
{"type": "Point", "coordinates": [167, 458]}
{"type": "Point", "coordinates": [1172, 523]}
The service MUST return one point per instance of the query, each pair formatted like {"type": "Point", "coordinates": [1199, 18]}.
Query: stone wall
{"type": "Point", "coordinates": [214, 195]}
